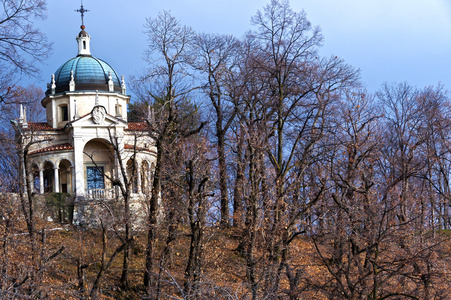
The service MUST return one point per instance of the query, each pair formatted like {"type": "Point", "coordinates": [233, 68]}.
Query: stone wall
{"type": "Point", "coordinates": [67, 209]}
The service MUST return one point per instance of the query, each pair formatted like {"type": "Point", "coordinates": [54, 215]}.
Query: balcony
{"type": "Point", "coordinates": [100, 194]}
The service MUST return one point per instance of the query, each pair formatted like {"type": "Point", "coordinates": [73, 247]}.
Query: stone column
{"type": "Point", "coordinates": [41, 181]}
{"type": "Point", "coordinates": [31, 181]}
{"type": "Point", "coordinates": [54, 115]}
{"type": "Point", "coordinates": [79, 167]}
{"type": "Point", "coordinates": [24, 174]}
{"type": "Point", "coordinates": [72, 180]}
{"type": "Point", "coordinates": [138, 179]}
{"type": "Point", "coordinates": [56, 180]}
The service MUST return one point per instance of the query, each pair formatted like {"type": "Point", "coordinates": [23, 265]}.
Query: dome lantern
{"type": "Point", "coordinates": [83, 39]}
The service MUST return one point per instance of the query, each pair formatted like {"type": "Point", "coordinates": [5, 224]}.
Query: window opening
{"type": "Point", "coordinates": [64, 113]}
{"type": "Point", "coordinates": [36, 179]}
{"type": "Point", "coordinates": [118, 110]}
{"type": "Point", "coordinates": [48, 178]}
{"type": "Point", "coordinates": [95, 178]}
{"type": "Point", "coordinates": [64, 188]}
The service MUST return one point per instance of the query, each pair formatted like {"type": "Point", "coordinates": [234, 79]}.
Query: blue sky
{"type": "Point", "coordinates": [388, 40]}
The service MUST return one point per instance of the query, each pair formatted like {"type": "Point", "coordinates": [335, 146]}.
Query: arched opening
{"type": "Point", "coordinates": [131, 174]}
{"type": "Point", "coordinates": [35, 181]}
{"type": "Point", "coordinates": [49, 178]}
{"type": "Point", "coordinates": [65, 176]}
{"type": "Point", "coordinates": [99, 166]}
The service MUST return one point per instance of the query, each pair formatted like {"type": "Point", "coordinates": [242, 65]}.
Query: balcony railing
{"type": "Point", "coordinates": [100, 194]}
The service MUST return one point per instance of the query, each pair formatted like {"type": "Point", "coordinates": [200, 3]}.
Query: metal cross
{"type": "Point", "coordinates": [82, 11]}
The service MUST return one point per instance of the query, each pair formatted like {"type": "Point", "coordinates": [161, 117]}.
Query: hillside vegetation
{"type": "Point", "coordinates": [69, 259]}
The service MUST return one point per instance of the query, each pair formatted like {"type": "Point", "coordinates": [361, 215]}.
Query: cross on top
{"type": "Point", "coordinates": [82, 11]}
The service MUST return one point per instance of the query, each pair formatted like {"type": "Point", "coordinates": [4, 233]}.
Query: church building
{"type": "Point", "coordinates": [87, 143]}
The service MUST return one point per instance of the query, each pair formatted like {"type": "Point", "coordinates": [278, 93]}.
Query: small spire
{"type": "Point", "coordinates": [23, 116]}
{"type": "Point", "coordinates": [53, 84]}
{"type": "Point", "coordinates": [25, 124]}
{"type": "Point", "coordinates": [118, 110]}
{"type": "Point", "coordinates": [110, 82]}
{"type": "Point", "coordinates": [72, 81]}
{"type": "Point", "coordinates": [76, 115]}
{"type": "Point", "coordinates": [124, 88]}
{"type": "Point", "coordinates": [20, 113]}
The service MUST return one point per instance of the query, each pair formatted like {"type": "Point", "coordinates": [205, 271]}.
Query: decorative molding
{"type": "Point", "coordinates": [98, 114]}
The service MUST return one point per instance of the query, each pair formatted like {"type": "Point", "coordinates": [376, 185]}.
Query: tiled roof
{"type": "Point", "coordinates": [60, 147]}
{"type": "Point", "coordinates": [89, 74]}
{"type": "Point", "coordinates": [41, 127]}
{"type": "Point", "coordinates": [131, 147]}
{"type": "Point", "coordinates": [137, 126]}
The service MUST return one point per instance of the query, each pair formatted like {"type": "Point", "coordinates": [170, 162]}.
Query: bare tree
{"type": "Point", "coordinates": [434, 106]}
{"type": "Point", "coordinates": [253, 134]}
{"type": "Point", "coordinates": [367, 248]}
{"type": "Point", "coordinates": [125, 183]}
{"type": "Point", "coordinates": [21, 44]}
{"type": "Point", "coordinates": [302, 90]}
{"type": "Point", "coordinates": [402, 139]}
{"type": "Point", "coordinates": [165, 86]}
{"type": "Point", "coordinates": [216, 59]}
{"type": "Point", "coordinates": [30, 282]}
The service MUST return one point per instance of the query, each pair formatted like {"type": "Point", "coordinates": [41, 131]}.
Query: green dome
{"type": "Point", "coordinates": [90, 74]}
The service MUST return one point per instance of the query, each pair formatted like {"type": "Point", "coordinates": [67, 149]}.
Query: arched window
{"type": "Point", "coordinates": [131, 173]}
{"type": "Point", "coordinates": [65, 176]}
{"type": "Point", "coordinates": [49, 179]}
{"type": "Point", "coordinates": [98, 162]}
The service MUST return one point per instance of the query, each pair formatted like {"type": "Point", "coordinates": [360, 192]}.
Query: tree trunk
{"type": "Point", "coordinates": [197, 221]}
{"type": "Point", "coordinates": [239, 183]}
{"type": "Point", "coordinates": [153, 216]}
{"type": "Point", "coordinates": [223, 178]}
{"type": "Point", "coordinates": [124, 282]}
